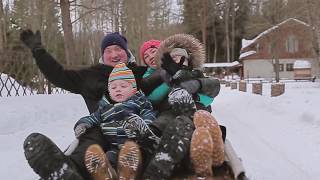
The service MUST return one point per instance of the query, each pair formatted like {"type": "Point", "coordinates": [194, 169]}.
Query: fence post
{"type": "Point", "coordinates": [243, 86]}
{"type": "Point", "coordinates": [49, 87]}
{"type": "Point", "coordinates": [257, 88]}
{"type": "Point", "coordinates": [233, 85]}
{"type": "Point", "coordinates": [41, 83]}
{"type": "Point", "coordinates": [277, 89]}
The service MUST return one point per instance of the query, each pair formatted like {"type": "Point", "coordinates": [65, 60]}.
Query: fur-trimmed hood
{"type": "Point", "coordinates": [186, 41]}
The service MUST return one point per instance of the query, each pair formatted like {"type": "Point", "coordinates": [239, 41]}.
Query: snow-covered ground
{"type": "Point", "coordinates": [277, 138]}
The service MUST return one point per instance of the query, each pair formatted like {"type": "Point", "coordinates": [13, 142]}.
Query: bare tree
{"type": "Point", "coordinates": [233, 33]}
{"type": "Point", "coordinates": [214, 31]}
{"type": "Point", "coordinates": [2, 28]}
{"type": "Point", "coordinates": [70, 51]}
{"type": "Point", "coordinates": [274, 13]}
{"type": "Point", "coordinates": [314, 19]}
{"type": "Point", "coordinates": [204, 20]}
{"type": "Point", "coordinates": [226, 18]}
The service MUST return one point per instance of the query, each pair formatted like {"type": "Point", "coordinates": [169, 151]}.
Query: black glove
{"type": "Point", "coordinates": [165, 76]}
{"type": "Point", "coordinates": [169, 65]}
{"type": "Point", "coordinates": [30, 39]}
{"type": "Point", "coordinates": [192, 86]}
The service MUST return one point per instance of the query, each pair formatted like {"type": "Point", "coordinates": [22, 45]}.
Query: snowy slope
{"type": "Point", "coordinates": [52, 115]}
{"type": "Point", "coordinates": [277, 138]}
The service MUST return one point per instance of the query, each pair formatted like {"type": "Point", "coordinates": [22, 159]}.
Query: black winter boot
{"type": "Point", "coordinates": [47, 160]}
{"type": "Point", "coordinates": [182, 102]}
{"type": "Point", "coordinates": [173, 147]}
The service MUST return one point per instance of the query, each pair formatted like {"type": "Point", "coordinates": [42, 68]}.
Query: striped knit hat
{"type": "Point", "coordinates": [122, 72]}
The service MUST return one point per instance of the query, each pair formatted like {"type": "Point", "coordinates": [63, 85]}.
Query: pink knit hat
{"type": "Point", "coordinates": [148, 44]}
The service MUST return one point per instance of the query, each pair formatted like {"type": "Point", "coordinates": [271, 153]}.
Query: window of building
{"type": "Point", "coordinates": [258, 47]}
{"type": "Point", "coordinates": [281, 67]}
{"type": "Point", "coordinates": [292, 44]}
{"type": "Point", "coordinates": [270, 48]}
{"type": "Point", "coordinates": [289, 67]}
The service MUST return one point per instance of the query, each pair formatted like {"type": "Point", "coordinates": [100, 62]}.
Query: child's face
{"type": "Point", "coordinates": [120, 90]}
{"type": "Point", "coordinates": [177, 58]}
{"type": "Point", "coordinates": [148, 57]}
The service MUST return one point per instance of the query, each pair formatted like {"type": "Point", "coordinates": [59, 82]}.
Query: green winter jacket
{"type": "Point", "coordinates": [162, 91]}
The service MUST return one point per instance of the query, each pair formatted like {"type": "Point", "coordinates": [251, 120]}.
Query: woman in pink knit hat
{"type": "Point", "coordinates": [148, 51]}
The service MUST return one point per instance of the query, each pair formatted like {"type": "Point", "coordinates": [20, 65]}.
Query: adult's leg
{"type": "Point", "coordinates": [174, 146]}
{"type": "Point", "coordinates": [47, 160]}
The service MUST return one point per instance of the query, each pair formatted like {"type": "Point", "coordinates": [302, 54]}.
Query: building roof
{"type": "Point", "coordinates": [246, 43]}
{"type": "Point", "coordinates": [215, 65]}
{"type": "Point", "coordinates": [247, 53]}
{"type": "Point", "coordinates": [301, 64]}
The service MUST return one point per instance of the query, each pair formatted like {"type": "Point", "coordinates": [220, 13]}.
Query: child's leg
{"type": "Point", "coordinates": [98, 164]}
{"type": "Point", "coordinates": [92, 136]}
{"type": "Point", "coordinates": [129, 161]}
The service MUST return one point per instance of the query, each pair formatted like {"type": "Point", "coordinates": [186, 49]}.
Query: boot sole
{"type": "Point", "coordinates": [46, 159]}
{"type": "Point", "coordinates": [98, 164]}
{"type": "Point", "coordinates": [201, 150]}
{"type": "Point", "coordinates": [129, 161]}
{"type": "Point", "coordinates": [205, 119]}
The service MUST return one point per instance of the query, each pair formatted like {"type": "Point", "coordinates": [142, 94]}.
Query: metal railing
{"type": "Point", "coordinates": [20, 76]}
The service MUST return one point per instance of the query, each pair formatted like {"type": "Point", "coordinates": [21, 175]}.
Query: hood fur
{"type": "Point", "coordinates": [188, 42]}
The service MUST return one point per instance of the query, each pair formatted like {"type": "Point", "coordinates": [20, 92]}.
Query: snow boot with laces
{"type": "Point", "coordinates": [98, 164]}
{"type": "Point", "coordinates": [129, 161]}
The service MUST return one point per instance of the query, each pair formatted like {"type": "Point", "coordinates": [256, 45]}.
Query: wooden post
{"type": "Point", "coordinates": [257, 88]}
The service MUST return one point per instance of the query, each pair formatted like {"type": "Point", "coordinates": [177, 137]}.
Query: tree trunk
{"type": "Point", "coordinates": [204, 21]}
{"type": "Point", "coordinates": [2, 28]}
{"type": "Point", "coordinates": [67, 30]}
{"type": "Point", "coordinates": [233, 14]}
{"type": "Point", "coordinates": [314, 22]}
{"type": "Point", "coordinates": [227, 11]}
{"type": "Point", "coordinates": [214, 30]}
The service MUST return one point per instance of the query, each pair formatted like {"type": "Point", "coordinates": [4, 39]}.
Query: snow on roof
{"type": "Point", "coordinates": [301, 64]}
{"type": "Point", "coordinates": [234, 63]}
{"type": "Point", "coordinates": [246, 43]}
{"type": "Point", "coordinates": [245, 54]}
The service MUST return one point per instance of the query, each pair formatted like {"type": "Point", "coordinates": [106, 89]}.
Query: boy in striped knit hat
{"type": "Point", "coordinates": [126, 107]}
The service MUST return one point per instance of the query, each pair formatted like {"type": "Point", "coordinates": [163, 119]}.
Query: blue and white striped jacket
{"type": "Point", "coordinates": [110, 117]}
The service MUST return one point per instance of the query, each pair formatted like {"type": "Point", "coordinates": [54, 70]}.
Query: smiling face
{"type": "Point", "coordinates": [120, 90]}
{"type": "Point", "coordinates": [148, 57]}
{"type": "Point", "coordinates": [113, 55]}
